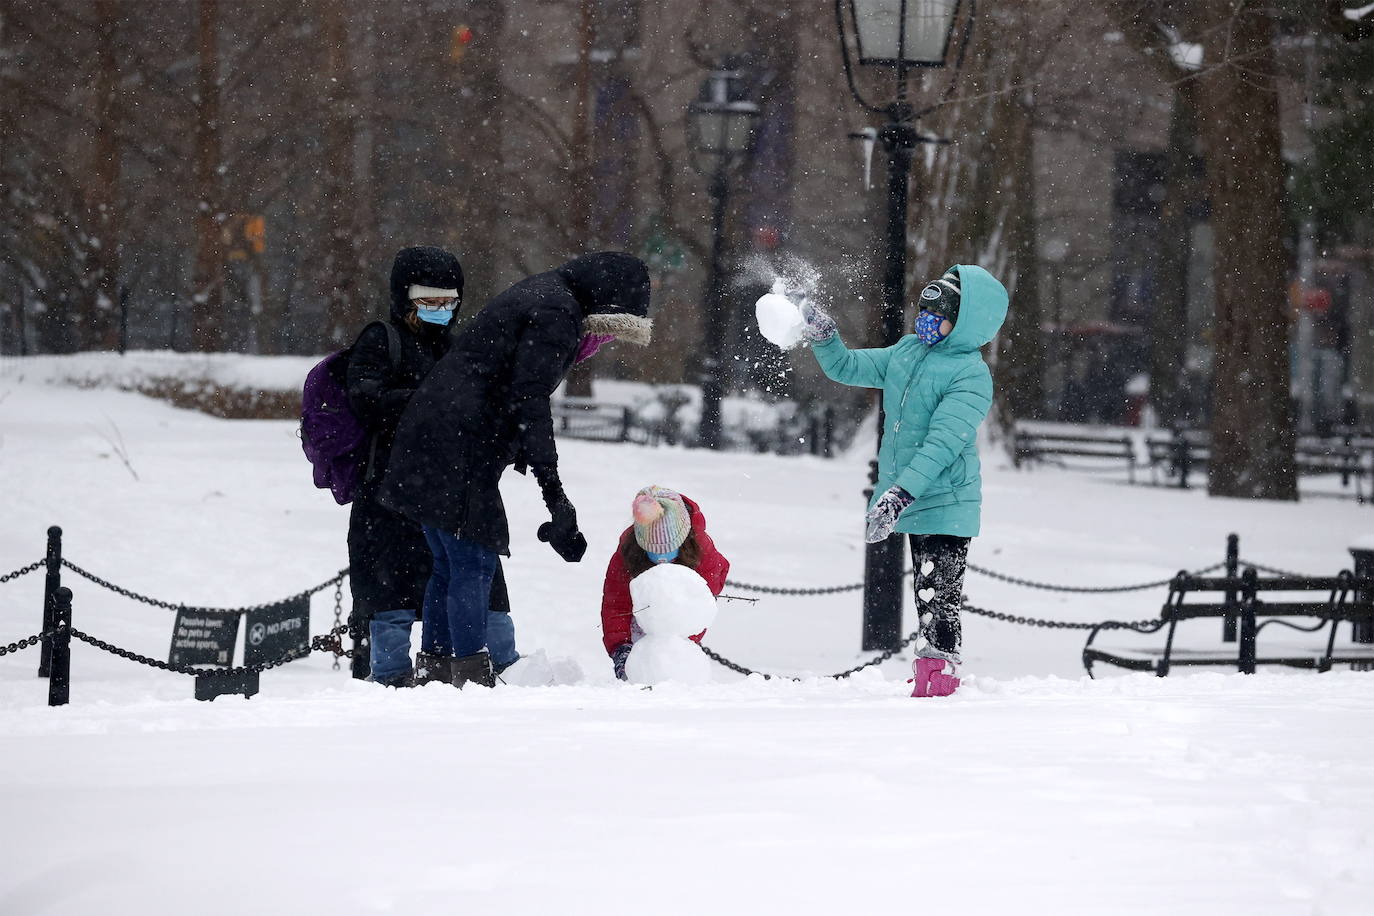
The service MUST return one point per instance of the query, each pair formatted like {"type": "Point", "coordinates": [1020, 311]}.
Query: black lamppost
{"type": "Point", "coordinates": [720, 134]}
{"type": "Point", "coordinates": [901, 35]}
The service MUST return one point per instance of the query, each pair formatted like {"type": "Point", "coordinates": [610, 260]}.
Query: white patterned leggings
{"type": "Point", "coordinates": [940, 561]}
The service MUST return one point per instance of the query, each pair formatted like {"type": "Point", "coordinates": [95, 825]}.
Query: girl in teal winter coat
{"type": "Point", "coordinates": [936, 391]}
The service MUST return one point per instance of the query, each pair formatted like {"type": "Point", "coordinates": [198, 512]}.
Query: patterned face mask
{"type": "Point", "coordinates": [928, 328]}
{"type": "Point", "coordinates": [590, 344]}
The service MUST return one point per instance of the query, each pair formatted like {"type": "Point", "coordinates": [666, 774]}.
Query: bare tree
{"type": "Point", "coordinates": [207, 300]}
{"type": "Point", "coordinates": [1252, 418]}
{"type": "Point", "coordinates": [1236, 83]}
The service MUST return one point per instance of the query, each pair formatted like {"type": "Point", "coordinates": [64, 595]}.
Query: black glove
{"type": "Point", "coordinates": [618, 657]}
{"type": "Point", "coordinates": [561, 532]}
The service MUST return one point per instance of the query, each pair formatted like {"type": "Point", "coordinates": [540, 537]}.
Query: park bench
{"type": "Point", "coordinates": [583, 418]}
{"type": "Point", "coordinates": [1177, 453]}
{"type": "Point", "coordinates": [1350, 456]}
{"type": "Point", "coordinates": [1249, 600]}
{"type": "Point", "coordinates": [1033, 444]}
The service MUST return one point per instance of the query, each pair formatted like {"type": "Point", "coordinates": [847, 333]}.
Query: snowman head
{"type": "Point", "coordinates": [672, 600]}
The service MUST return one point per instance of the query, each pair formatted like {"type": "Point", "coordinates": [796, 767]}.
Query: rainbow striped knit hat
{"type": "Point", "coordinates": [662, 521]}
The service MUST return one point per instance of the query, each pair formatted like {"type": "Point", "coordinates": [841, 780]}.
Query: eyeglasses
{"type": "Point", "coordinates": [435, 305]}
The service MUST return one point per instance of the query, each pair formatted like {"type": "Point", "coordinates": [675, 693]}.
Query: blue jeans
{"type": "Point", "coordinates": [457, 597]}
{"type": "Point", "coordinates": [501, 640]}
{"type": "Point", "coordinates": [391, 645]}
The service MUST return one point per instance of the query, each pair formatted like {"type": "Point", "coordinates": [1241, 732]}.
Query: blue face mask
{"type": "Point", "coordinates": [662, 557]}
{"type": "Point", "coordinates": [435, 316]}
{"type": "Point", "coordinates": [928, 328]}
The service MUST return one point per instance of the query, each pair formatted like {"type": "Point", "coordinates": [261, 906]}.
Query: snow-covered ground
{"type": "Point", "coordinates": [1031, 791]}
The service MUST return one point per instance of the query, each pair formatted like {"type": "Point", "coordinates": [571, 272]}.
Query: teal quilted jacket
{"type": "Point", "coordinates": [934, 398]}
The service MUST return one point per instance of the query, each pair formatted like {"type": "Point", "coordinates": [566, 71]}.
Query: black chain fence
{"type": "Point", "coordinates": [19, 644]}
{"type": "Point", "coordinates": [881, 657]}
{"type": "Point", "coordinates": [21, 571]}
{"type": "Point", "coordinates": [332, 642]}
{"type": "Point", "coordinates": [991, 574]}
{"type": "Point", "coordinates": [196, 609]}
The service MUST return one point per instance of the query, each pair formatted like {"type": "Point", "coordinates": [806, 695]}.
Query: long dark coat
{"type": "Point", "coordinates": [388, 558]}
{"type": "Point", "coordinates": [486, 405]}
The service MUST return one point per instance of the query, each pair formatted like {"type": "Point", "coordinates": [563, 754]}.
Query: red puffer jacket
{"type": "Point", "coordinates": [617, 610]}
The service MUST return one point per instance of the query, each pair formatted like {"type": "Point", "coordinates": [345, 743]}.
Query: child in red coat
{"type": "Point", "coordinates": [668, 528]}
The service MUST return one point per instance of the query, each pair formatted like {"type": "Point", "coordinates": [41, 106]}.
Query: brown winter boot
{"type": "Point", "coordinates": [431, 668]}
{"type": "Point", "coordinates": [471, 669]}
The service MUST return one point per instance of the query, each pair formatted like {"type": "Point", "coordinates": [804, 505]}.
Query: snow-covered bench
{"type": "Point", "coordinates": [583, 418]}
{"type": "Point", "coordinates": [1344, 598]}
{"type": "Point", "coordinates": [1033, 443]}
{"type": "Point", "coordinates": [1180, 452]}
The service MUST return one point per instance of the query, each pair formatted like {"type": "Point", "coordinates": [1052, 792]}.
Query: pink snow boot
{"type": "Point", "coordinates": [931, 679]}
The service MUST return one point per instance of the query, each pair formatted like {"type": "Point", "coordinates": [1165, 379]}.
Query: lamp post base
{"type": "Point", "coordinates": [884, 564]}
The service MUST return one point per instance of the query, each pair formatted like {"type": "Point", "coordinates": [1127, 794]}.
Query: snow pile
{"type": "Point", "coordinates": [1079, 797]}
{"type": "Point", "coordinates": [139, 370]}
{"type": "Point", "coordinates": [671, 603]}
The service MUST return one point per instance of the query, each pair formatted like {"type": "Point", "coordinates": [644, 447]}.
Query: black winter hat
{"type": "Point", "coordinates": [943, 295]}
{"type": "Point", "coordinates": [606, 282]}
{"type": "Point", "coordinates": [423, 265]}
{"type": "Point", "coordinates": [612, 289]}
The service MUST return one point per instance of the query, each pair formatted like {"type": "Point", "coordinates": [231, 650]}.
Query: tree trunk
{"type": "Point", "coordinates": [340, 270]}
{"type": "Point", "coordinates": [579, 380]}
{"type": "Point", "coordinates": [1169, 331]}
{"type": "Point", "coordinates": [1252, 419]}
{"type": "Point", "coordinates": [1020, 363]}
{"type": "Point", "coordinates": [104, 212]}
{"type": "Point", "coordinates": [482, 135]}
{"type": "Point", "coordinates": [207, 301]}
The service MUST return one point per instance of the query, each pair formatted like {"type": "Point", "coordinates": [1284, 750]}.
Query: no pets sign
{"type": "Point", "coordinates": [277, 631]}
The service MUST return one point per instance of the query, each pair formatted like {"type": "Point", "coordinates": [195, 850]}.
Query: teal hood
{"type": "Point", "coordinates": [982, 309]}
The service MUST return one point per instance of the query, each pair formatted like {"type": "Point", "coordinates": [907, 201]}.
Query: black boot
{"type": "Point", "coordinates": [431, 668]}
{"type": "Point", "coordinates": [471, 669]}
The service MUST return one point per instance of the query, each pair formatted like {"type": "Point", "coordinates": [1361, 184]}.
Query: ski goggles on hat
{"type": "Point", "coordinates": [942, 297]}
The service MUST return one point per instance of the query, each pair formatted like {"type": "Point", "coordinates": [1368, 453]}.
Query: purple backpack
{"type": "Point", "coordinates": [332, 436]}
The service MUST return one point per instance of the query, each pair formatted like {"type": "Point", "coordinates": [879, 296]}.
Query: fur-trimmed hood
{"type": "Point", "coordinates": [612, 290]}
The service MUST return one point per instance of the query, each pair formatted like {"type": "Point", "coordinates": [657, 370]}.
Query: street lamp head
{"type": "Point", "coordinates": [903, 33]}
{"type": "Point", "coordinates": [720, 122]}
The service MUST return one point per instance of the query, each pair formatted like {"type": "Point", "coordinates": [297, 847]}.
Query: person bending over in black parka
{"type": "Point", "coordinates": [389, 560]}
{"type": "Point", "coordinates": [484, 408]}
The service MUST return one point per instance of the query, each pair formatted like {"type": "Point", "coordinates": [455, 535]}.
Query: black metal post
{"type": "Point", "coordinates": [1228, 625]}
{"type": "Point", "coordinates": [1249, 627]}
{"type": "Point", "coordinates": [715, 321]}
{"type": "Point", "coordinates": [360, 666]}
{"type": "Point", "coordinates": [1183, 458]}
{"type": "Point", "coordinates": [123, 320]}
{"type": "Point", "coordinates": [885, 561]}
{"type": "Point", "coordinates": [59, 681]}
{"type": "Point", "coordinates": [1362, 631]}
{"type": "Point", "coordinates": [51, 584]}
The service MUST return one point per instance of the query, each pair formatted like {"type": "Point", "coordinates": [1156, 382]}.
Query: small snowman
{"type": "Point", "coordinates": [672, 603]}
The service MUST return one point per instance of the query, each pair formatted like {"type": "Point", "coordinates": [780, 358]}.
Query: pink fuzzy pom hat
{"type": "Point", "coordinates": [662, 521]}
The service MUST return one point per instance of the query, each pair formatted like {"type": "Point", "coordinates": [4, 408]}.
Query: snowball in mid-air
{"type": "Point", "coordinates": [673, 600]}
{"type": "Point", "coordinates": [780, 320]}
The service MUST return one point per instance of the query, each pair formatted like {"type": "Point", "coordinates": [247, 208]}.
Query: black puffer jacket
{"type": "Point", "coordinates": [486, 405]}
{"type": "Point", "coordinates": [388, 556]}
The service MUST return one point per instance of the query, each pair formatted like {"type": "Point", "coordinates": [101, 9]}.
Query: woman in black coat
{"type": "Point", "coordinates": [388, 557]}
{"type": "Point", "coordinates": [486, 407]}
